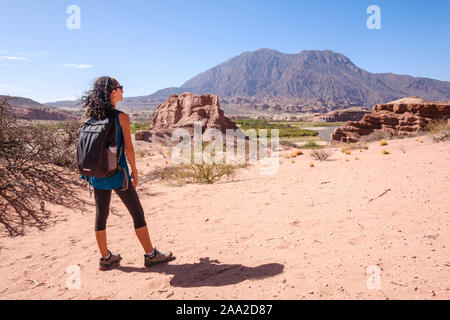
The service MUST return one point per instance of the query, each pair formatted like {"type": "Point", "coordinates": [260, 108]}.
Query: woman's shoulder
{"type": "Point", "coordinates": [123, 117]}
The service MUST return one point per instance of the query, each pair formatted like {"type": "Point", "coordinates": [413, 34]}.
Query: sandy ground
{"type": "Point", "coordinates": [373, 228]}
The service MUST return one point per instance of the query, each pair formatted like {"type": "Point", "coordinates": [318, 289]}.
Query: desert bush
{"type": "Point", "coordinates": [296, 153]}
{"type": "Point", "coordinates": [203, 173]}
{"type": "Point", "coordinates": [376, 136]}
{"type": "Point", "coordinates": [192, 173]}
{"type": "Point", "coordinates": [404, 136]}
{"type": "Point", "coordinates": [321, 155]}
{"type": "Point", "coordinates": [442, 136]}
{"type": "Point", "coordinates": [347, 148]}
{"type": "Point", "coordinates": [346, 151]}
{"type": "Point", "coordinates": [37, 165]}
{"type": "Point", "coordinates": [440, 130]}
{"type": "Point", "coordinates": [438, 125]}
{"type": "Point", "coordinates": [288, 144]}
{"type": "Point", "coordinates": [311, 145]}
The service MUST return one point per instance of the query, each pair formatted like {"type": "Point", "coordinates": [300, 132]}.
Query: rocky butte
{"type": "Point", "coordinates": [401, 117]}
{"type": "Point", "coordinates": [181, 111]}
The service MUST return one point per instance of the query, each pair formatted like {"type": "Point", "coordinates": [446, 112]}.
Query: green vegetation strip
{"type": "Point", "coordinates": [286, 130]}
{"type": "Point", "coordinates": [138, 126]}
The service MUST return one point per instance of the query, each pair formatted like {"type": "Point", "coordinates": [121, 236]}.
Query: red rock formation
{"type": "Point", "coordinates": [181, 111]}
{"type": "Point", "coordinates": [402, 117]}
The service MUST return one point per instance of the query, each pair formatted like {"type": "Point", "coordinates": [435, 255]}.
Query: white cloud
{"type": "Point", "coordinates": [77, 66]}
{"type": "Point", "coordinates": [15, 58]}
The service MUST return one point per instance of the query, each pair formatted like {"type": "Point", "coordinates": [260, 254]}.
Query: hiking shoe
{"type": "Point", "coordinates": [105, 264]}
{"type": "Point", "coordinates": [158, 257]}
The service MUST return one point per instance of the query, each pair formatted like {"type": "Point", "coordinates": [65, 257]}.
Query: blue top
{"type": "Point", "coordinates": [114, 181]}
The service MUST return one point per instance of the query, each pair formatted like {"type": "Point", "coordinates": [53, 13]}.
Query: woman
{"type": "Point", "coordinates": [101, 102]}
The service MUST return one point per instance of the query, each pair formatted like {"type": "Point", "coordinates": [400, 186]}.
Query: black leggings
{"type": "Point", "coordinates": [129, 198]}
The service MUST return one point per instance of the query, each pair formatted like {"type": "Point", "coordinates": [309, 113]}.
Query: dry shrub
{"type": "Point", "coordinates": [182, 174]}
{"type": "Point", "coordinates": [203, 173]}
{"type": "Point", "coordinates": [296, 153]}
{"type": "Point", "coordinates": [442, 136]}
{"type": "Point", "coordinates": [440, 130]}
{"type": "Point", "coordinates": [288, 144]}
{"type": "Point", "coordinates": [376, 136]}
{"type": "Point", "coordinates": [321, 155]}
{"type": "Point", "coordinates": [37, 165]}
{"type": "Point", "coordinates": [438, 125]}
{"type": "Point", "coordinates": [354, 146]}
{"type": "Point", "coordinates": [312, 145]}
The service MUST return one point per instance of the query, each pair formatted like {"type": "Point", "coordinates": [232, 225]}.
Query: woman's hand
{"type": "Point", "coordinates": [134, 178]}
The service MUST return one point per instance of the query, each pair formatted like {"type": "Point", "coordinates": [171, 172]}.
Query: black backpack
{"type": "Point", "coordinates": [97, 147]}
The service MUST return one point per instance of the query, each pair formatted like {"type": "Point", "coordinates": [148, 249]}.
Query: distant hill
{"type": "Point", "coordinates": [33, 110]}
{"type": "Point", "coordinates": [62, 104]}
{"type": "Point", "coordinates": [22, 102]}
{"type": "Point", "coordinates": [313, 81]}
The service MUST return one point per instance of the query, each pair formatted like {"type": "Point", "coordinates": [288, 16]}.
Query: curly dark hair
{"type": "Point", "coordinates": [97, 100]}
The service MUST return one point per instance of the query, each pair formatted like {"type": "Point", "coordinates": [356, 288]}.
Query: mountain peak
{"type": "Point", "coordinates": [262, 51]}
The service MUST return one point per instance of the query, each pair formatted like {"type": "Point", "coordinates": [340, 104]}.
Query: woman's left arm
{"type": "Point", "coordinates": [124, 120]}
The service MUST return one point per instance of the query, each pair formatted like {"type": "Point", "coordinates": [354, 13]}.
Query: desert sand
{"type": "Point", "coordinates": [318, 232]}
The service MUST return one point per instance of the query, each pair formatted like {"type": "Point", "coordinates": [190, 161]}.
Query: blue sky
{"type": "Point", "coordinates": [150, 45]}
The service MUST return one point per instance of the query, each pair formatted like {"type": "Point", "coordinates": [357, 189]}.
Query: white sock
{"type": "Point", "coordinates": [151, 253]}
{"type": "Point", "coordinates": [108, 256]}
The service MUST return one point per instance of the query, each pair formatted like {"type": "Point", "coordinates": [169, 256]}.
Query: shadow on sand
{"type": "Point", "coordinates": [209, 273]}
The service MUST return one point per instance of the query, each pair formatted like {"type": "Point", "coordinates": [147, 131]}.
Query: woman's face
{"type": "Point", "coordinates": [116, 94]}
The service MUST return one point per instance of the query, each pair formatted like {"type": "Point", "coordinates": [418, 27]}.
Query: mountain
{"type": "Point", "coordinates": [22, 102]}
{"type": "Point", "coordinates": [310, 81]}
{"type": "Point", "coordinates": [326, 75]}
